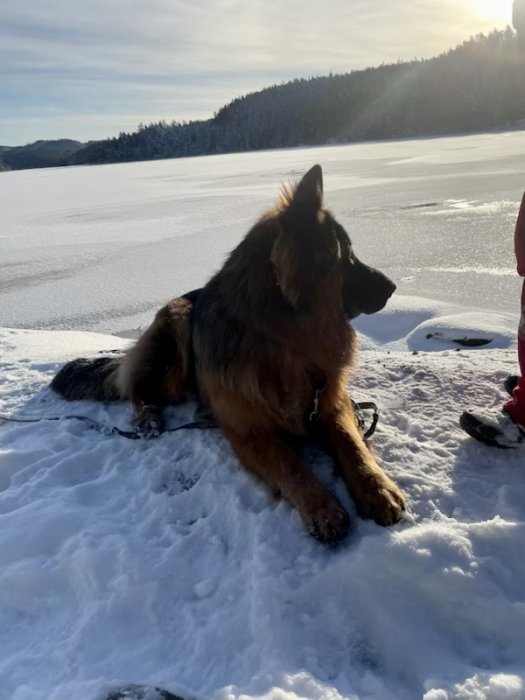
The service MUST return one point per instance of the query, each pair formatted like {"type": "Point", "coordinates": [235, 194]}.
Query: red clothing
{"type": "Point", "coordinates": [516, 406]}
{"type": "Point", "coordinates": [519, 238]}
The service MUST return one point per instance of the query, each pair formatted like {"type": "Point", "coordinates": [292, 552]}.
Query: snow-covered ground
{"type": "Point", "coordinates": [162, 562]}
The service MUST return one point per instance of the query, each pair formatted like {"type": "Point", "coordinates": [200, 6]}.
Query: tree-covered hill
{"type": "Point", "coordinates": [478, 86]}
{"type": "Point", "coordinates": [41, 154]}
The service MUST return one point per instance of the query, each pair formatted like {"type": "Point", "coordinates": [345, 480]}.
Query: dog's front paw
{"type": "Point", "coordinates": [381, 500]}
{"type": "Point", "coordinates": [327, 521]}
{"type": "Point", "coordinates": [148, 423]}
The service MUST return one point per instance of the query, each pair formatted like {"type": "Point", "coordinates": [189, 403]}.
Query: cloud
{"type": "Point", "coordinates": [185, 58]}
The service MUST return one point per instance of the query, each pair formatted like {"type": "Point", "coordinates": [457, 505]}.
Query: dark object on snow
{"type": "Point", "coordinates": [493, 428]}
{"type": "Point", "coordinates": [465, 342]}
{"type": "Point", "coordinates": [472, 342]}
{"type": "Point", "coordinates": [141, 692]}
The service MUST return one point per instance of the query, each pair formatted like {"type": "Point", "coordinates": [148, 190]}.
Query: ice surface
{"type": "Point", "coordinates": [163, 562]}
{"type": "Point", "coordinates": [101, 247]}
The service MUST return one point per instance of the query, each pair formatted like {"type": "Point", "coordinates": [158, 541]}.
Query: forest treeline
{"type": "Point", "coordinates": [477, 86]}
{"type": "Point", "coordinates": [40, 154]}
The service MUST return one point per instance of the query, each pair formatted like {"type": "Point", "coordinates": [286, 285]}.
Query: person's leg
{"type": "Point", "coordinates": [496, 427]}
{"type": "Point", "coordinates": [516, 406]}
{"type": "Point", "coordinates": [519, 240]}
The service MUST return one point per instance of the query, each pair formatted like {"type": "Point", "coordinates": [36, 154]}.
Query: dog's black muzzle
{"type": "Point", "coordinates": [366, 290]}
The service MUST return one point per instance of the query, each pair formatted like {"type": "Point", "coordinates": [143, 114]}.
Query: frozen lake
{"type": "Point", "coordinates": [101, 247]}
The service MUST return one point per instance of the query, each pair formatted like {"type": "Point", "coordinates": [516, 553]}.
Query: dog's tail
{"type": "Point", "coordinates": [89, 379]}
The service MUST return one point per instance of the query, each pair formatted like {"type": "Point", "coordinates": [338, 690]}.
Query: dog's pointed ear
{"type": "Point", "coordinates": [308, 195]}
{"type": "Point", "coordinates": [288, 269]}
{"type": "Point", "coordinates": [296, 243]}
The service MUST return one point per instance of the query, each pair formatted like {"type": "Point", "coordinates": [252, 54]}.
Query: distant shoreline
{"type": "Point", "coordinates": [474, 88]}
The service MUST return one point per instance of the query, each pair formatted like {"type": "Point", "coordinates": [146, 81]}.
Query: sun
{"type": "Point", "coordinates": [497, 11]}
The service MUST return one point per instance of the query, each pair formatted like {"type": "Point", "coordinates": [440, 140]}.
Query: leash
{"type": "Point", "coordinates": [192, 425]}
{"type": "Point", "coordinates": [105, 429]}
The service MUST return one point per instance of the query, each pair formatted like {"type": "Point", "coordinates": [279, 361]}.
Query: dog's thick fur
{"type": "Point", "coordinates": [265, 344]}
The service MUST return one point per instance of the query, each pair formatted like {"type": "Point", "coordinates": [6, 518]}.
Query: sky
{"type": "Point", "coordinates": [88, 69]}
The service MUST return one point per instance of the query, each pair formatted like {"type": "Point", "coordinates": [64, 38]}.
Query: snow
{"type": "Point", "coordinates": [161, 562]}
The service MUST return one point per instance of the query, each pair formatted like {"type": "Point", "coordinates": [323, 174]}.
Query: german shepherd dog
{"type": "Point", "coordinates": [266, 347]}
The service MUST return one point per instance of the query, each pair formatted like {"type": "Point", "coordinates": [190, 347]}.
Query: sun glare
{"type": "Point", "coordinates": [498, 11]}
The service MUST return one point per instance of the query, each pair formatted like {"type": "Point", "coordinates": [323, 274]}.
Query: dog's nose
{"type": "Point", "coordinates": [390, 287]}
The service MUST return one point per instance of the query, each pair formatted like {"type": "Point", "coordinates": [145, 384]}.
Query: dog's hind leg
{"type": "Point", "coordinates": [376, 496]}
{"type": "Point", "coordinates": [155, 372]}
{"type": "Point", "coordinates": [267, 456]}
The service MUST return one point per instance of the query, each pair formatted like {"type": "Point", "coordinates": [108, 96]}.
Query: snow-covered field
{"type": "Point", "coordinates": [162, 562]}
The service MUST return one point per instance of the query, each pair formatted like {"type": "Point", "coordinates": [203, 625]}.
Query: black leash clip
{"type": "Point", "coordinates": [366, 406]}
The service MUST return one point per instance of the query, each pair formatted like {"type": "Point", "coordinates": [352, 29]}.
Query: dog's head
{"type": "Point", "coordinates": [313, 249]}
